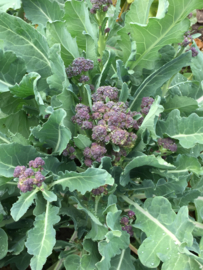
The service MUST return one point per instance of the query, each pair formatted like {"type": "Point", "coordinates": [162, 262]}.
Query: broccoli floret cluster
{"type": "Point", "coordinates": [69, 151]}
{"type": "Point", "coordinates": [188, 40]}
{"type": "Point", "coordinates": [167, 144]}
{"type": "Point", "coordinates": [111, 121]}
{"type": "Point", "coordinates": [126, 222]}
{"type": "Point", "coordinates": [30, 178]}
{"type": "Point", "coordinates": [100, 191]}
{"type": "Point", "coordinates": [94, 153]}
{"type": "Point", "coordinates": [79, 66]}
{"type": "Point", "coordinates": [100, 5]}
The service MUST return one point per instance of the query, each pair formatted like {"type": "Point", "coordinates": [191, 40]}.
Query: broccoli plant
{"type": "Point", "coordinates": [101, 136]}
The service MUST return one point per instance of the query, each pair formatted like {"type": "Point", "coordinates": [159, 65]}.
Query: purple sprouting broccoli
{"type": "Point", "coordinates": [99, 133]}
{"type": "Point", "coordinates": [119, 136]}
{"type": "Point", "coordinates": [131, 214]}
{"type": "Point", "coordinates": [100, 5]}
{"type": "Point", "coordinates": [124, 221]}
{"type": "Point", "coordinates": [146, 105]}
{"type": "Point", "coordinates": [94, 153]}
{"type": "Point", "coordinates": [194, 51]}
{"type": "Point", "coordinates": [69, 151]}
{"type": "Point", "coordinates": [91, 87]}
{"type": "Point", "coordinates": [128, 229]}
{"type": "Point", "coordinates": [82, 116]}
{"type": "Point", "coordinates": [104, 92]}
{"type": "Point", "coordinates": [30, 178]}
{"type": "Point", "coordinates": [98, 191]}
{"type": "Point", "coordinates": [78, 66]}
{"type": "Point", "coordinates": [84, 79]}
{"type": "Point", "coordinates": [167, 144]}
{"type": "Point", "coordinates": [107, 30]}
{"type": "Point", "coordinates": [187, 39]}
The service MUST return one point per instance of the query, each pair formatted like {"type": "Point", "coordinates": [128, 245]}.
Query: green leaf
{"type": "Point", "coordinates": [112, 246]}
{"type": "Point", "coordinates": [182, 87]}
{"type": "Point", "coordinates": [21, 206]}
{"type": "Point", "coordinates": [196, 66]}
{"type": "Point", "coordinates": [144, 160]}
{"type": "Point", "coordinates": [49, 195]}
{"type": "Point", "coordinates": [11, 71]}
{"type": "Point", "coordinates": [158, 78]}
{"type": "Point", "coordinates": [188, 130]}
{"type": "Point", "coordinates": [151, 118]}
{"type": "Point", "coordinates": [25, 87]}
{"type": "Point", "coordinates": [39, 11]}
{"type": "Point", "coordinates": [199, 209]}
{"type": "Point", "coordinates": [53, 133]}
{"type": "Point", "coordinates": [77, 20]}
{"type": "Point", "coordinates": [58, 81]}
{"type": "Point", "coordinates": [122, 261]}
{"type": "Point", "coordinates": [4, 138]}
{"type": "Point", "coordinates": [185, 105]}
{"type": "Point", "coordinates": [171, 233]}
{"type": "Point", "coordinates": [40, 207]}
{"type": "Point", "coordinates": [124, 93]}
{"type": "Point", "coordinates": [162, 9]}
{"type": "Point", "coordinates": [10, 104]}
{"type": "Point", "coordinates": [72, 262]}
{"type": "Point", "coordinates": [57, 33]}
{"type": "Point", "coordinates": [161, 32]}
{"type": "Point", "coordinates": [18, 35]}
{"type": "Point", "coordinates": [88, 261]}
{"type": "Point", "coordinates": [85, 181]}
{"type": "Point", "coordinates": [41, 239]}
{"type": "Point", "coordinates": [6, 4]}
{"type": "Point", "coordinates": [3, 244]}
{"type": "Point", "coordinates": [82, 141]}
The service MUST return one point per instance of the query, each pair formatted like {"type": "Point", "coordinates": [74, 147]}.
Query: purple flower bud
{"type": "Point", "coordinates": [131, 214]}
{"type": "Point", "coordinates": [87, 125]}
{"type": "Point", "coordinates": [19, 170]}
{"type": "Point", "coordinates": [194, 51]}
{"type": "Point", "coordinates": [84, 78]}
{"type": "Point", "coordinates": [28, 172]}
{"type": "Point", "coordinates": [91, 87]}
{"type": "Point", "coordinates": [105, 91]}
{"type": "Point", "coordinates": [119, 136]}
{"type": "Point", "coordinates": [88, 162]}
{"type": "Point", "coordinates": [98, 191]}
{"type": "Point", "coordinates": [107, 30]}
{"type": "Point", "coordinates": [39, 177]}
{"type": "Point", "coordinates": [99, 133]}
{"type": "Point", "coordinates": [124, 220]}
{"type": "Point", "coordinates": [105, 8]}
{"type": "Point", "coordinates": [168, 144]}
{"type": "Point", "coordinates": [128, 229]}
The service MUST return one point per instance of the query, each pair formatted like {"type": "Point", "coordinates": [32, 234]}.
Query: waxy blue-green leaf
{"type": "Point", "coordinates": [20, 207]}
{"type": "Point", "coordinates": [98, 230]}
{"type": "Point", "coordinates": [27, 43]}
{"type": "Point", "coordinates": [88, 261]}
{"type": "Point", "coordinates": [115, 242]}
{"type": "Point", "coordinates": [3, 244]}
{"type": "Point", "coordinates": [12, 70]}
{"type": "Point", "coordinates": [166, 232]}
{"type": "Point", "coordinates": [84, 181]}
{"type": "Point", "coordinates": [57, 32]}
{"type": "Point", "coordinates": [41, 12]}
{"type": "Point", "coordinates": [158, 78]}
{"type": "Point", "coordinates": [144, 160]}
{"type": "Point", "coordinates": [188, 130]}
{"type": "Point", "coordinates": [82, 141]}
{"type": "Point", "coordinates": [122, 261]}
{"type": "Point", "coordinates": [53, 133]}
{"type": "Point", "coordinates": [151, 118]}
{"type": "Point", "coordinates": [199, 208]}
{"type": "Point", "coordinates": [41, 239]}
{"type": "Point", "coordinates": [160, 32]}
{"type": "Point", "coordinates": [26, 87]}
{"type": "Point", "coordinates": [49, 195]}
{"type": "Point", "coordinates": [77, 20]}
{"type": "Point", "coordinates": [6, 4]}
{"type": "Point", "coordinates": [58, 81]}
{"type": "Point", "coordinates": [162, 9]}
{"type": "Point", "coordinates": [4, 138]}
{"type": "Point", "coordinates": [185, 105]}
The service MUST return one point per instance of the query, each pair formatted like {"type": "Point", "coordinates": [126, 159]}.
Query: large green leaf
{"type": "Point", "coordinates": [185, 105]}
{"type": "Point", "coordinates": [82, 141]}
{"type": "Point", "coordinates": [40, 11]}
{"type": "Point", "coordinates": [26, 87]}
{"type": "Point", "coordinates": [122, 261]}
{"type": "Point", "coordinates": [160, 32]}
{"type": "Point", "coordinates": [77, 20]}
{"type": "Point", "coordinates": [3, 244]}
{"type": "Point", "coordinates": [11, 71]}
{"type": "Point", "coordinates": [57, 33]}
{"type": "Point", "coordinates": [26, 42]}
{"type": "Point", "coordinates": [162, 8]}
{"type": "Point", "coordinates": [84, 181]}
{"type": "Point", "coordinates": [21, 206]}
{"type": "Point", "coordinates": [144, 160]}
{"type": "Point", "coordinates": [53, 133]}
{"type": "Point", "coordinates": [112, 246]}
{"type": "Point", "coordinates": [188, 130]}
{"type": "Point", "coordinates": [58, 80]}
{"type": "Point", "coordinates": [6, 4]}
{"type": "Point", "coordinates": [88, 261]}
{"type": "Point", "coordinates": [158, 78]}
{"type": "Point", "coordinates": [151, 118]}
{"type": "Point", "coordinates": [167, 235]}
{"type": "Point", "coordinates": [41, 239]}
{"type": "Point", "coordinates": [10, 104]}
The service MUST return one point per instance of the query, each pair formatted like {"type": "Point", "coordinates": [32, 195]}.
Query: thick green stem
{"type": "Point", "coordinates": [102, 38]}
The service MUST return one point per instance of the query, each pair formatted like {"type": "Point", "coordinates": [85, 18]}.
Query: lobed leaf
{"type": "Point", "coordinates": [3, 244]}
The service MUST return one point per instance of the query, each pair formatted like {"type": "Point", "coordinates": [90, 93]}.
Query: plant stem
{"type": "Point", "coordinates": [133, 249]}
{"type": "Point", "coordinates": [60, 262]}
{"type": "Point", "coordinates": [102, 39]}
{"type": "Point", "coordinates": [97, 199]}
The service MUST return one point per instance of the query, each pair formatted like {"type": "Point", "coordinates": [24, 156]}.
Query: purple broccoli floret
{"type": "Point", "coordinates": [94, 153]}
{"type": "Point", "coordinates": [104, 92]}
{"type": "Point", "coordinates": [78, 66]}
{"type": "Point", "coordinates": [146, 105]}
{"type": "Point", "coordinates": [168, 144]}
{"type": "Point", "coordinates": [131, 214]}
{"type": "Point", "coordinates": [29, 172]}
{"type": "Point", "coordinates": [84, 78]}
{"type": "Point", "coordinates": [98, 191]}
{"type": "Point", "coordinates": [99, 133]}
{"type": "Point", "coordinates": [19, 170]}
{"type": "Point", "coordinates": [37, 163]}
{"type": "Point", "coordinates": [69, 151]}
{"type": "Point", "coordinates": [194, 51]}
{"type": "Point", "coordinates": [100, 4]}
{"type": "Point", "coordinates": [124, 220]}
{"type": "Point", "coordinates": [128, 229]}
{"type": "Point", "coordinates": [119, 136]}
